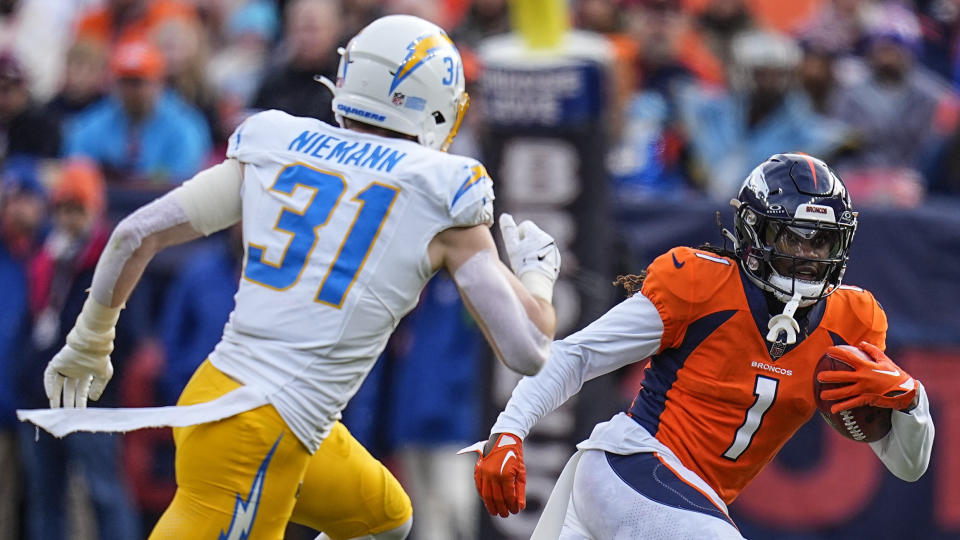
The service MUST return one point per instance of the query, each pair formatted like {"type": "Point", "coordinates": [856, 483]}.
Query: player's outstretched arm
{"type": "Point", "coordinates": [208, 202]}
{"type": "Point", "coordinates": [629, 332]}
{"type": "Point", "coordinates": [519, 324]}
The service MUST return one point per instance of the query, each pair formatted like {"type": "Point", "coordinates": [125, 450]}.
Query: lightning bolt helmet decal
{"type": "Point", "coordinates": [419, 51]}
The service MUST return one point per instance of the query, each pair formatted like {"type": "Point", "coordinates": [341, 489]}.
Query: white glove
{"type": "Point", "coordinates": [533, 255]}
{"type": "Point", "coordinates": [82, 368]}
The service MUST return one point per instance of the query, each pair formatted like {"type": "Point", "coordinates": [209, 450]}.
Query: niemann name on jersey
{"type": "Point", "coordinates": [321, 145]}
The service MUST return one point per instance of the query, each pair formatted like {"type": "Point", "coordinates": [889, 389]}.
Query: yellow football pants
{"type": "Point", "coordinates": [250, 475]}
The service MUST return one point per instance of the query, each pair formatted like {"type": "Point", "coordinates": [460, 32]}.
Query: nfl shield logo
{"type": "Point", "coordinates": [777, 349]}
{"type": "Point", "coordinates": [398, 98]}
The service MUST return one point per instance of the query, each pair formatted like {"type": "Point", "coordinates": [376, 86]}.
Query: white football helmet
{"type": "Point", "coordinates": [402, 73]}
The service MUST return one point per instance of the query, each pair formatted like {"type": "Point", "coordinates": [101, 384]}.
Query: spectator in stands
{"type": "Point", "coordinates": [435, 11]}
{"type": "Point", "coordinates": [940, 21]}
{"type": "Point", "coordinates": [837, 26]}
{"type": "Point", "coordinates": [816, 74]}
{"type": "Point", "coordinates": [22, 204]}
{"type": "Point", "coordinates": [484, 18]}
{"type": "Point", "coordinates": [24, 129]}
{"type": "Point", "coordinates": [38, 33]}
{"type": "Point", "coordinates": [894, 111]}
{"type": "Point", "coordinates": [59, 275]}
{"type": "Point", "coordinates": [84, 81]}
{"type": "Point", "coordinates": [648, 157]}
{"type": "Point", "coordinates": [762, 114]}
{"type": "Point", "coordinates": [198, 303]}
{"type": "Point", "coordinates": [120, 21]}
{"type": "Point", "coordinates": [359, 13]}
{"type": "Point", "coordinates": [141, 131]}
{"type": "Point", "coordinates": [236, 69]}
{"type": "Point", "coordinates": [721, 22]}
{"type": "Point", "coordinates": [312, 32]}
{"type": "Point", "coordinates": [183, 44]}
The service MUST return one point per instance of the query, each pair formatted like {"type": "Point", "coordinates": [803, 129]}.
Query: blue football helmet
{"type": "Point", "coordinates": [794, 225]}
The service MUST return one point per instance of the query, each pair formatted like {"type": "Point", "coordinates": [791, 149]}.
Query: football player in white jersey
{"type": "Point", "coordinates": [342, 229]}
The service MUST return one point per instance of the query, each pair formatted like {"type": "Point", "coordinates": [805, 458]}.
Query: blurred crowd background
{"type": "Point", "coordinates": [105, 104]}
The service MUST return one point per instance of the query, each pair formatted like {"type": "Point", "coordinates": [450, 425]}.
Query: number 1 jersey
{"type": "Point", "coordinates": [336, 225]}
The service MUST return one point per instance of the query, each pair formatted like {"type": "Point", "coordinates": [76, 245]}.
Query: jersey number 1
{"type": "Point", "coordinates": [765, 391]}
{"type": "Point", "coordinates": [303, 227]}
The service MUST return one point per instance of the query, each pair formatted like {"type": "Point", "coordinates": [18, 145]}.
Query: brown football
{"type": "Point", "coordinates": [861, 424]}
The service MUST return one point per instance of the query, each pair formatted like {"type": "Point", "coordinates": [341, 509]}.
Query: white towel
{"type": "Point", "coordinates": [555, 511]}
{"type": "Point", "coordinates": [60, 422]}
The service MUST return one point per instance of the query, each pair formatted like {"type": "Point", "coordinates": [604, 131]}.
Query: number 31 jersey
{"type": "Point", "coordinates": [336, 225]}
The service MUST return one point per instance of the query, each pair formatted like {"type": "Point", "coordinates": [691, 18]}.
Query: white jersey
{"type": "Point", "coordinates": [336, 225]}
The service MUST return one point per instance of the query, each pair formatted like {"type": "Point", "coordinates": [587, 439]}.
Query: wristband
{"type": "Point", "coordinates": [538, 285]}
{"type": "Point", "coordinates": [97, 317]}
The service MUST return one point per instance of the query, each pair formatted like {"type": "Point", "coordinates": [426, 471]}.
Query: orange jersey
{"type": "Point", "coordinates": [714, 393]}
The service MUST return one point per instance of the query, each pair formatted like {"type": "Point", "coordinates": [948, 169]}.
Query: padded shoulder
{"type": "Point", "coordinates": [857, 316]}
{"type": "Point", "coordinates": [261, 132]}
{"type": "Point", "coordinates": [469, 193]}
{"type": "Point", "coordinates": [691, 275]}
{"type": "Point", "coordinates": [685, 284]}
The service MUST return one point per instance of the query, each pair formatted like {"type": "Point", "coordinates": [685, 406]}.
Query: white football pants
{"type": "Point", "coordinates": [643, 496]}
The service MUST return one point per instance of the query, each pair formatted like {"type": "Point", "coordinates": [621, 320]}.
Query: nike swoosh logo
{"type": "Point", "coordinates": [510, 454]}
{"type": "Point", "coordinates": [895, 373]}
{"type": "Point", "coordinates": [541, 257]}
{"type": "Point", "coordinates": [677, 263]}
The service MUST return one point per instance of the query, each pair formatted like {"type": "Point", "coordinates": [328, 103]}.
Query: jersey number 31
{"type": "Point", "coordinates": [303, 227]}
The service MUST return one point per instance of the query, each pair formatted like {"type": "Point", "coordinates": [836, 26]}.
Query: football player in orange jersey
{"type": "Point", "coordinates": [733, 337]}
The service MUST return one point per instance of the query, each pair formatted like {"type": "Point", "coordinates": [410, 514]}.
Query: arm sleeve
{"type": "Point", "coordinates": [628, 333]}
{"type": "Point", "coordinates": [515, 339]}
{"type": "Point", "coordinates": [210, 201]}
{"type": "Point", "coordinates": [905, 451]}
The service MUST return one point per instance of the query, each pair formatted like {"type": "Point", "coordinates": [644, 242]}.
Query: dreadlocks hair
{"type": "Point", "coordinates": [631, 282]}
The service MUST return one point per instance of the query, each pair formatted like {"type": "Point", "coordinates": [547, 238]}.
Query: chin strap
{"type": "Point", "coordinates": [326, 82]}
{"type": "Point", "coordinates": [785, 323]}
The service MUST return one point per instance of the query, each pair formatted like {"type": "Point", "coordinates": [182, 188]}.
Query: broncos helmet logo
{"type": "Point", "coordinates": [419, 51]}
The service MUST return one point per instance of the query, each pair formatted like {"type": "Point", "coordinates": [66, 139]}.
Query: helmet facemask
{"type": "Point", "coordinates": [787, 256]}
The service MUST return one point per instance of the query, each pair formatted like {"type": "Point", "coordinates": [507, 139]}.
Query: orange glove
{"type": "Point", "coordinates": [500, 475]}
{"type": "Point", "coordinates": [880, 384]}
